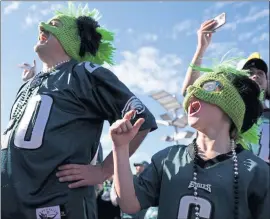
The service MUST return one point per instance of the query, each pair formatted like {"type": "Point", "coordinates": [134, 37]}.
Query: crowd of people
{"type": "Point", "coordinates": [51, 156]}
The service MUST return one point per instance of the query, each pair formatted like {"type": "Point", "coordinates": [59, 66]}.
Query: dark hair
{"type": "Point", "coordinates": [90, 38]}
{"type": "Point", "coordinates": [250, 93]}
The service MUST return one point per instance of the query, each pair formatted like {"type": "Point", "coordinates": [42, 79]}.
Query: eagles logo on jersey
{"type": "Point", "coordinates": [133, 104]}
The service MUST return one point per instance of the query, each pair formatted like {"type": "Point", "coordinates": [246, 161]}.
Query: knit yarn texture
{"type": "Point", "coordinates": [227, 97]}
{"type": "Point", "coordinates": [68, 35]}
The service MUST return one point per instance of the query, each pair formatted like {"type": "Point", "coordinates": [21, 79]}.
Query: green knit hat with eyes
{"type": "Point", "coordinates": [68, 34]}
{"type": "Point", "coordinates": [215, 87]}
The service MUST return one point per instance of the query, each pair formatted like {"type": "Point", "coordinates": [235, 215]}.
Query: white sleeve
{"type": "Point", "coordinates": [113, 195]}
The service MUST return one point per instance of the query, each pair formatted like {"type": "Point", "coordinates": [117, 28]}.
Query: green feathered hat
{"type": "Point", "coordinates": [215, 87]}
{"type": "Point", "coordinates": [68, 35]}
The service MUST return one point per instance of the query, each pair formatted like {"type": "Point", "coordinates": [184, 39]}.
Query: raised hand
{"type": "Point", "coordinates": [28, 70]}
{"type": "Point", "coordinates": [122, 131]}
{"type": "Point", "coordinates": [205, 34]}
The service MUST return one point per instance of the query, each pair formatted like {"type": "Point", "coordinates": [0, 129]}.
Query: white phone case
{"type": "Point", "coordinates": [221, 20]}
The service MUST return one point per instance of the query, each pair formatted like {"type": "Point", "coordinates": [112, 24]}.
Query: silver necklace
{"type": "Point", "coordinates": [27, 94]}
{"type": "Point", "coordinates": [235, 180]}
{"type": "Point", "coordinates": [51, 69]}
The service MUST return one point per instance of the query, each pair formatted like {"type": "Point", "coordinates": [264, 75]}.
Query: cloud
{"type": "Point", "coordinates": [263, 26]}
{"type": "Point", "coordinates": [150, 37]}
{"type": "Point", "coordinates": [37, 14]}
{"type": "Point", "coordinates": [146, 70]}
{"type": "Point", "coordinates": [245, 36]}
{"type": "Point", "coordinates": [220, 5]}
{"type": "Point", "coordinates": [215, 8]}
{"type": "Point", "coordinates": [130, 30]}
{"type": "Point", "coordinates": [263, 37]}
{"type": "Point", "coordinates": [33, 7]}
{"type": "Point", "coordinates": [186, 27]}
{"type": "Point", "coordinates": [31, 19]}
{"type": "Point", "coordinates": [138, 39]}
{"type": "Point", "coordinates": [254, 15]}
{"type": "Point", "coordinates": [250, 34]}
{"type": "Point", "coordinates": [13, 6]}
{"type": "Point", "coordinates": [51, 9]}
{"type": "Point", "coordinates": [229, 26]}
{"type": "Point", "coordinates": [240, 4]}
{"type": "Point", "coordinates": [143, 38]}
{"type": "Point", "coordinates": [218, 50]}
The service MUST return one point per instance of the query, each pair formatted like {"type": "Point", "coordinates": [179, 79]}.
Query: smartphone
{"type": "Point", "coordinates": [221, 20]}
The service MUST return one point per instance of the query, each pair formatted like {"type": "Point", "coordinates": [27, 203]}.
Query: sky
{"type": "Point", "coordinates": [155, 43]}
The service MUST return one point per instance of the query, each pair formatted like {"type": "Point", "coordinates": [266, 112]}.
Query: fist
{"type": "Point", "coordinates": [122, 131]}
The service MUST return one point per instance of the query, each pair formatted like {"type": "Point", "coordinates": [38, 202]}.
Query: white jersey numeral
{"type": "Point", "coordinates": [36, 115]}
{"type": "Point", "coordinates": [90, 67]}
{"type": "Point", "coordinates": [5, 139]}
{"type": "Point", "coordinates": [188, 201]}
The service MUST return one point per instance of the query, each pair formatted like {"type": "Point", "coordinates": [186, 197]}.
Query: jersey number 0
{"type": "Point", "coordinates": [30, 131]}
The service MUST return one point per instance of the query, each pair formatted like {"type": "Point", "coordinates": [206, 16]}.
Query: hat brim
{"type": "Point", "coordinates": [137, 164]}
{"type": "Point", "coordinates": [258, 63]}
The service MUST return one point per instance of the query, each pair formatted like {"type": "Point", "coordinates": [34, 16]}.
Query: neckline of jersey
{"type": "Point", "coordinates": [213, 161]}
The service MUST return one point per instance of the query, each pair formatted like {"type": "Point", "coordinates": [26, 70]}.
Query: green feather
{"type": "Point", "coordinates": [262, 95]}
{"type": "Point", "coordinates": [251, 136]}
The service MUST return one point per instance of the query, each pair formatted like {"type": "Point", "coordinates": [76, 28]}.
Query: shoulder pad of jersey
{"type": "Point", "coordinates": [89, 66]}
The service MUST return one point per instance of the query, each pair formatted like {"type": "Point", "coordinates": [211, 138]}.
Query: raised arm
{"type": "Point", "coordinates": [122, 132]}
{"type": "Point", "coordinates": [204, 39]}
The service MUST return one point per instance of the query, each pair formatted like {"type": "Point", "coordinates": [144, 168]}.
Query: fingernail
{"type": "Point", "coordinates": [60, 179]}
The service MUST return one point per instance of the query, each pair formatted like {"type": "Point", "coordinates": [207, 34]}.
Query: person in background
{"type": "Point", "coordinates": [258, 71]}
{"type": "Point", "coordinates": [150, 213]}
{"type": "Point", "coordinates": [140, 167]}
{"type": "Point", "coordinates": [106, 208]}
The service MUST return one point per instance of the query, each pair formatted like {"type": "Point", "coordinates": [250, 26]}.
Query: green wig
{"type": "Point", "coordinates": [68, 34]}
{"type": "Point", "coordinates": [215, 87]}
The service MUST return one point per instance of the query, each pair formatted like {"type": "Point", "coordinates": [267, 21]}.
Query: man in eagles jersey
{"type": "Point", "coordinates": [58, 116]}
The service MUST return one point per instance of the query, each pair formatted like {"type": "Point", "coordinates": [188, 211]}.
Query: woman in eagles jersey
{"type": "Point", "coordinates": [213, 177]}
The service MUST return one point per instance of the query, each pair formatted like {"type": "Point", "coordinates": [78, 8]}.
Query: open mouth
{"type": "Point", "coordinates": [44, 36]}
{"type": "Point", "coordinates": [194, 108]}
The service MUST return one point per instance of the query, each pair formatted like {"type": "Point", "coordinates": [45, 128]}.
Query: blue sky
{"type": "Point", "coordinates": [155, 42]}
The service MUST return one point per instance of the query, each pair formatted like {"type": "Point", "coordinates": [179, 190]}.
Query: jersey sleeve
{"type": "Point", "coordinates": [260, 197]}
{"type": "Point", "coordinates": [147, 184]}
{"type": "Point", "coordinates": [113, 98]}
